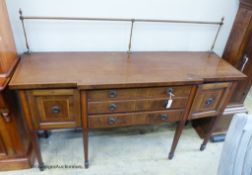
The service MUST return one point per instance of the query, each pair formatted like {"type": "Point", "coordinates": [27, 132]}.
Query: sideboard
{"type": "Point", "coordinates": [116, 89]}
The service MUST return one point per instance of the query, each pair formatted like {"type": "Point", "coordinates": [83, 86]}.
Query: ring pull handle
{"type": "Point", "coordinates": [163, 117]}
{"type": "Point", "coordinates": [209, 101]}
{"type": "Point", "coordinates": [169, 91]}
{"type": "Point", "coordinates": [112, 120]}
{"type": "Point", "coordinates": [112, 107]}
{"type": "Point", "coordinates": [6, 115]}
{"type": "Point", "coordinates": [112, 93]}
{"type": "Point", "coordinates": [56, 109]}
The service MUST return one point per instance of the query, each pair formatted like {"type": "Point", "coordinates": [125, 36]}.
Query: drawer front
{"type": "Point", "coordinates": [134, 105]}
{"type": "Point", "coordinates": [209, 100]}
{"type": "Point", "coordinates": [55, 108]}
{"type": "Point", "coordinates": [117, 120]}
{"type": "Point", "coordinates": [114, 94]}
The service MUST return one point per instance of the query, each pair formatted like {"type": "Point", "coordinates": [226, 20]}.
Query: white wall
{"type": "Point", "coordinates": [111, 36]}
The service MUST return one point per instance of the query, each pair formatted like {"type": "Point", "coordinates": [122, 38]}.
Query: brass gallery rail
{"type": "Point", "coordinates": [131, 20]}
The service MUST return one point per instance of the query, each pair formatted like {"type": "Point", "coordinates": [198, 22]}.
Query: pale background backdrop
{"type": "Point", "coordinates": [114, 36]}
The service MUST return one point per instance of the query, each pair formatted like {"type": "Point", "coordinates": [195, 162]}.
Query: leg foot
{"type": "Point", "coordinates": [142, 131]}
{"type": "Point", "coordinates": [77, 130]}
{"type": "Point", "coordinates": [41, 166]}
{"type": "Point", "coordinates": [85, 141]}
{"type": "Point", "coordinates": [47, 134]}
{"type": "Point", "coordinates": [86, 164]}
{"type": "Point", "coordinates": [202, 147]}
{"type": "Point", "coordinates": [44, 134]}
{"type": "Point", "coordinates": [171, 155]}
{"type": "Point", "coordinates": [186, 123]}
{"type": "Point", "coordinates": [176, 137]}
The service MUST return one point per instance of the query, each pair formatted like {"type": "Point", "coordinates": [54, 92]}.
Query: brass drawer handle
{"type": "Point", "coordinates": [169, 91]}
{"type": "Point", "coordinates": [163, 117]}
{"type": "Point", "coordinates": [112, 93]}
{"type": "Point", "coordinates": [209, 101]}
{"type": "Point", "coordinates": [56, 109]}
{"type": "Point", "coordinates": [112, 107]}
{"type": "Point", "coordinates": [112, 120]}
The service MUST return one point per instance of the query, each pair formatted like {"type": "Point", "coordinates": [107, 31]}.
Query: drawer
{"type": "Point", "coordinates": [159, 92]}
{"type": "Point", "coordinates": [134, 105]}
{"type": "Point", "coordinates": [209, 100]}
{"type": "Point", "coordinates": [116, 120]}
{"type": "Point", "coordinates": [53, 109]}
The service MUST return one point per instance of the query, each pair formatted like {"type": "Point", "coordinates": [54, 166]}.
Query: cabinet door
{"type": "Point", "coordinates": [209, 100]}
{"type": "Point", "coordinates": [54, 109]}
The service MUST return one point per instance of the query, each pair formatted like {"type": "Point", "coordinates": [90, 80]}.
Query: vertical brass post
{"type": "Point", "coordinates": [217, 33]}
{"type": "Point", "coordinates": [131, 33]}
{"type": "Point", "coordinates": [25, 35]}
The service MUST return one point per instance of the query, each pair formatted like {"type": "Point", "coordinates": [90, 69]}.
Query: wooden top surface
{"type": "Point", "coordinates": [97, 70]}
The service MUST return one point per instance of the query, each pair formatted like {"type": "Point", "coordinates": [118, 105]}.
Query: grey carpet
{"type": "Point", "coordinates": [127, 152]}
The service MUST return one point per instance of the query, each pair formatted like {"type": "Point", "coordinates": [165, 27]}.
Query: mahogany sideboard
{"type": "Point", "coordinates": [115, 89]}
